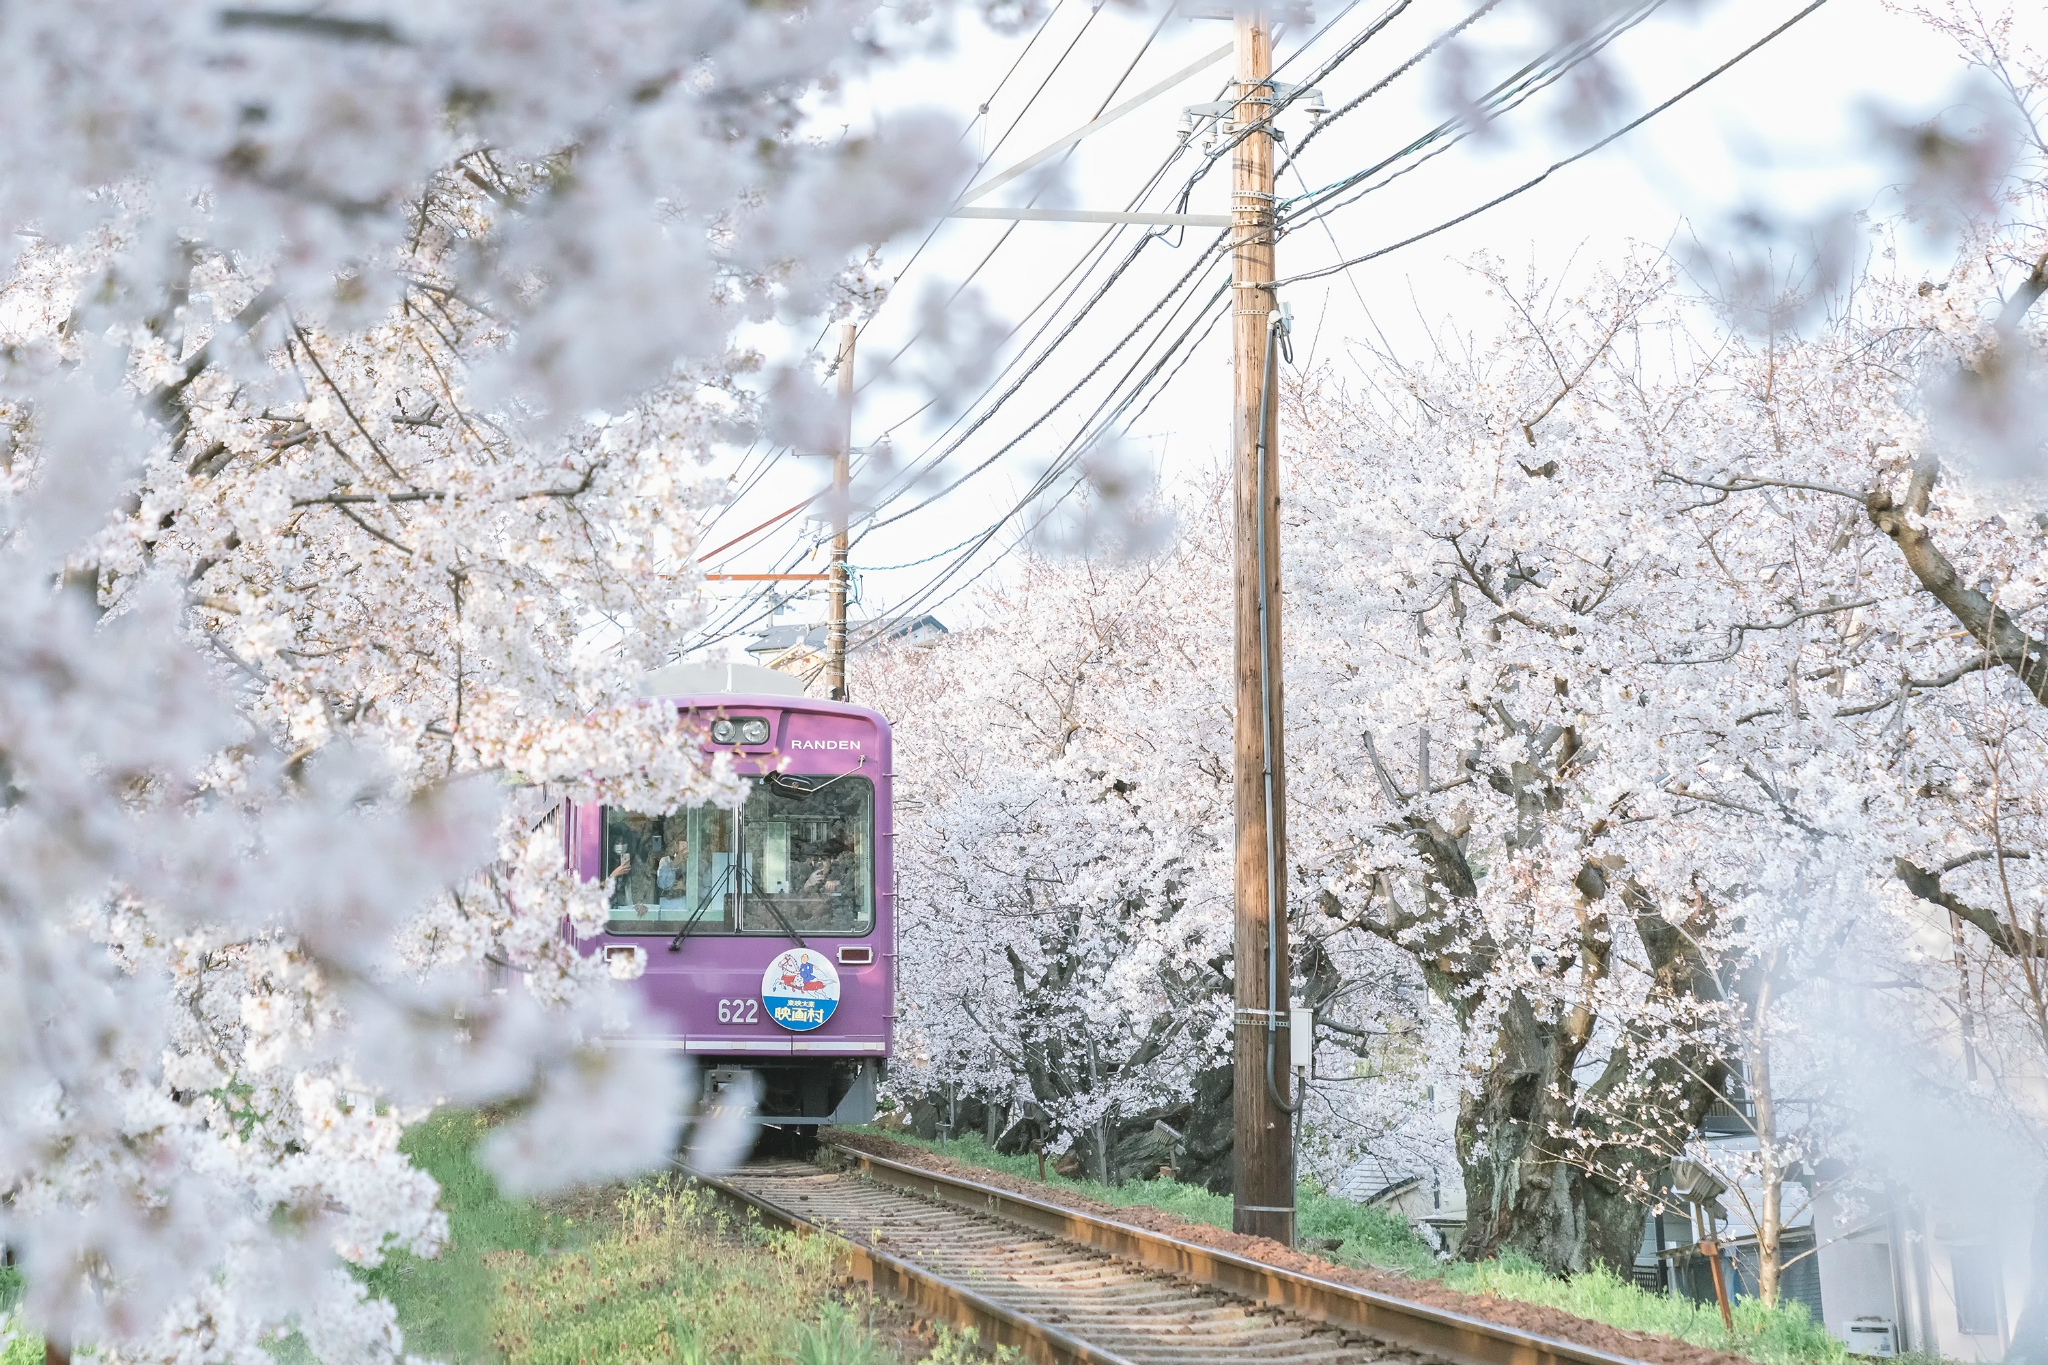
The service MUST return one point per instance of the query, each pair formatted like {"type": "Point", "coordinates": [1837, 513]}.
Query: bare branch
{"type": "Point", "coordinates": [435, 495]}
{"type": "Point", "coordinates": [2009, 939]}
{"type": "Point", "coordinates": [1991, 624]}
{"type": "Point", "coordinates": [1915, 686]}
{"type": "Point", "coordinates": [2031, 289]}
{"type": "Point", "coordinates": [313, 26]}
{"type": "Point", "coordinates": [1749, 483]}
{"type": "Point", "coordinates": [1741, 629]}
{"type": "Point", "coordinates": [1799, 616]}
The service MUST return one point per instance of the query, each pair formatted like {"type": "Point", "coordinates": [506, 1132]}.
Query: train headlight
{"type": "Point", "coordinates": [744, 730]}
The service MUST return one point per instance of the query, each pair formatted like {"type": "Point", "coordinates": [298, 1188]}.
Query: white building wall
{"type": "Point", "coordinates": [1998, 1258]}
{"type": "Point", "coordinates": [1904, 1266]}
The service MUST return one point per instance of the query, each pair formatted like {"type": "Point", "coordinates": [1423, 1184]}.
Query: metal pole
{"type": "Point", "coordinates": [835, 620]}
{"type": "Point", "coordinates": [1263, 1190]}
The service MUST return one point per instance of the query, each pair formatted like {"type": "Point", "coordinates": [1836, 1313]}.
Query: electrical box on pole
{"type": "Point", "coordinates": [1263, 1189]}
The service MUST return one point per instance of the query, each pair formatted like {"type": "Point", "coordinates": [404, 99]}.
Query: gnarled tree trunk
{"type": "Point", "coordinates": [1518, 1196]}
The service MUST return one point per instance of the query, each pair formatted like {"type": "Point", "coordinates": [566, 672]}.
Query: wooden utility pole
{"type": "Point", "coordinates": [1263, 1190]}
{"type": "Point", "coordinates": [842, 457]}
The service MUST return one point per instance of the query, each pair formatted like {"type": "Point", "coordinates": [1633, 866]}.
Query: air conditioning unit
{"type": "Point", "coordinates": [1873, 1337]}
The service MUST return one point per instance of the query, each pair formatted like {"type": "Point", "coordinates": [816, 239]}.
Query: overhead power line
{"type": "Point", "coordinates": [1505, 96]}
{"type": "Point", "coordinates": [1039, 497]}
{"type": "Point", "coordinates": [937, 456]}
{"type": "Point", "coordinates": [934, 455]}
{"type": "Point", "coordinates": [1557, 166]}
{"type": "Point", "coordinates": [1044, 26]}
{"type": "Point", "coordinates": [779, 516]}
{"type": "Point", "coordinates": [1547, 68]}
{"type": "Point", "coordinates": [1061, 401]}
{"type": "Point", "coordinates": [1090, 433]}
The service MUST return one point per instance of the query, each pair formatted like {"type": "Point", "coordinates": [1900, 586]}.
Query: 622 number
{"type": "Point", "coordinates": [739, 1011]}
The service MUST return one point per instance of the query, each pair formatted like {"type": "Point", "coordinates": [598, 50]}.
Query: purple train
{"type": "Point", "coordinates": [768, 933]}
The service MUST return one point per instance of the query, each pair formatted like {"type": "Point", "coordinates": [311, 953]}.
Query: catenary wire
{"type": "Point", "coordinates": [1221, 237]}
{"type": "Point", "coordinates": [1151, 182]}
{"type": "Point", "coordinates": [989, 153]}
{"type": "Point", "coordinates": [921, 600]}
{"type": "Point", "coordinates": [1011, 230]}
{"type": "Point", "coordinates": [1076, 446]}
{"type": "Point", "coordinates": [1214, 155]}
{"type": "Point", "coordinates": [934, 455]}
{"type": "Point", "coordinates": [989, 156]}
{"type": "Point", "coordinates": [1563, 50]}
{"type": "Point", "coordinates": [1556, 166]}
{"type": "Point", "coordinates": [977, 542]}
{"type": "Point", "coordinates": [1403, 69]}
{"type": "Point", "coordinates": [1044, 25]}
{"type": "Point", "coordinates": [1504, 97]}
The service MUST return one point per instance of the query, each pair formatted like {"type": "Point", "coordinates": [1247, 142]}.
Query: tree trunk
{"type": "Point", "coordinates": [1770, 1222]}
{"type": "Point", "coordinates": [2030, 1334]}
{"type": "Point", "coordinates": [1518, 1196]}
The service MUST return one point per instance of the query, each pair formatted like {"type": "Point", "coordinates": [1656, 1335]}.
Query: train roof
{"type": "Point", "coordinates": [702, 680]}
{"type": "Point", "coordinates": [746, 684]}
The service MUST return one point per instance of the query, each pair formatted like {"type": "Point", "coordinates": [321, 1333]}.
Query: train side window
{"type": "Point", "coordinates": [670, 869]}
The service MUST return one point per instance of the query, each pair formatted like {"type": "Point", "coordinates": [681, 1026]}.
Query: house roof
{"type": "Point", "coordinates": [778, 639]}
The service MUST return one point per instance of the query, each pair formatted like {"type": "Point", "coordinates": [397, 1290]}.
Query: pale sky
{"type": "Point", "coordinates": [1786, 129]}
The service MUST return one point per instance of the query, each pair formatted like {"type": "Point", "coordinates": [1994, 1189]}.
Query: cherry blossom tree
{"type": "Point", "coordinates": [1064, 860]}
{"type": "Point", "coordinates": [1910, 419]}
{"type": "Point", "coordinates": [359, 364]}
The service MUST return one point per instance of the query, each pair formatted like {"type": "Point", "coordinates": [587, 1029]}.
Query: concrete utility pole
{"type": "Point", "coordinates": [1263, 1193]}
{"type": "Point", "coordinates": [835, 618]}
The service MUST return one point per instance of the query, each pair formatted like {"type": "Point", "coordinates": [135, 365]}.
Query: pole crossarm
{"type": "Point", "coordinates": [1097, 216]}
{"type": "Point", "coordinates": [1039, 158]}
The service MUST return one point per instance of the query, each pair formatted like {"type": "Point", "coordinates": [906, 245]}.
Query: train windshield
{"type": "Point", "coordinates": [797, 857]}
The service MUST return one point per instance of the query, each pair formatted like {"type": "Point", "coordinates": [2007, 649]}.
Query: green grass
{"type": "Point", "coordinates": [656, 1271]}
{"type": "Point", "coordinates": [444, 1303]}
{"type": "Point", "coordinates": [1785, 1335]}
{"type": "Point", "coordinates": [22, 1349]}
{"type": "Point", "coordinates": [676, 1279]}
{"type": "Point", "coordinates": [1368, 1236]}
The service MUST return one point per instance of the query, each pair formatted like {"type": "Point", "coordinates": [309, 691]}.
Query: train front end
{"type": "Point", "coordinates": [766, 935]}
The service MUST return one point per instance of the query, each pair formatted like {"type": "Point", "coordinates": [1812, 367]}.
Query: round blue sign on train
{"type": "Point", "coordinates": [800, 989]}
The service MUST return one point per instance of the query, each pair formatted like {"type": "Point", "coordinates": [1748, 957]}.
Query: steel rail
{"type": "Point", "coordinates": [934, 1296]}
{"type": "Point", "coordinates": [1462, 1339]}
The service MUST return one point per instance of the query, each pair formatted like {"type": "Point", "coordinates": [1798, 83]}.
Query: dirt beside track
{"type": "Point", "coordinates": [1527, 1317]}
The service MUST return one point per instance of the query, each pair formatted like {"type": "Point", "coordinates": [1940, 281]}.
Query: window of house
{"type": "Point", "coordinates": [1980, 1304]}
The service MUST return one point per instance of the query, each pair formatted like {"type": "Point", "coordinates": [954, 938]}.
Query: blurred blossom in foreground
{"type": "Point", "coordinates": [1107, 504]}
{"type": "Point", "coordinates": [302, 529]}
{"type": "Point", "coordinates": [1991, 414]}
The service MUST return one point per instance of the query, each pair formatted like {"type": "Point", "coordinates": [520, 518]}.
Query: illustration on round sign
{"type": "Point", "coordinates": [800, 989]}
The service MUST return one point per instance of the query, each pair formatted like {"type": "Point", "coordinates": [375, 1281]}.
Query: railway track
{"type": "Point", "coordinates": [1064, 1286]}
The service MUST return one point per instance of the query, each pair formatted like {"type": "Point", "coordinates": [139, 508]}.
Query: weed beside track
{"type": "Point", "coordinates": [654, 1271]}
